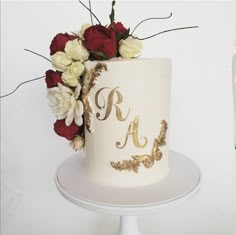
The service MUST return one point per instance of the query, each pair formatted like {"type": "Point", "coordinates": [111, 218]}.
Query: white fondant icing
{"type": "Point", "coordinates": [145, 86]}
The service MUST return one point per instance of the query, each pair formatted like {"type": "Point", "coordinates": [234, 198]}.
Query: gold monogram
{"type": "Point", "coordinates": [110, 103]}
{"type": "Point", "coordinates": [133, 130]}
{"type": "Point", "coordinates": [146, 159]}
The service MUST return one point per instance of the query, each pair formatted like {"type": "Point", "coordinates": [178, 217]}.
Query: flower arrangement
{"type": "Point", "coordinates": [69, 85]}
{"type": "Point", "coordinates": [66, 86]}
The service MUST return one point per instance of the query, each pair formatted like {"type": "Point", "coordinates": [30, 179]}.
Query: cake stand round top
{"type": "Point", "coordinates": [181, 183]}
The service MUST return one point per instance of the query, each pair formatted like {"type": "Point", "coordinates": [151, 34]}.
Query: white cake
{"type": "Point", "coordinates": [130, 102]}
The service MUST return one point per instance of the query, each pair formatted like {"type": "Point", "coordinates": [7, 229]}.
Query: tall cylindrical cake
{"type": "Point", "coordinates": [128, 145]}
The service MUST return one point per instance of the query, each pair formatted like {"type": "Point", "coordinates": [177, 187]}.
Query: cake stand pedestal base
{"type": "Point", "coordinates": [182, 183]}
{"type": "Point", "coordinates": [128, 226]}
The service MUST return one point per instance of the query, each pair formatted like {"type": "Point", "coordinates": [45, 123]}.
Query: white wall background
{"type": "Point", "coordinates": [201, 115]}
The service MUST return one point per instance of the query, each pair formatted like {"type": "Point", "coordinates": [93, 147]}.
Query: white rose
{"type": "Point", "coordinates": [130, 47]}
{"type": "Point", "coordinates": [60, 61]}
{"type": "Point", "coordinates": [76, 50]}
{"type": "Point", "coordinates": [82, 30]}
{"type": "Point", "coordinates": [72, 74]}
{"type": "Point", "coordinates": [78, 143]}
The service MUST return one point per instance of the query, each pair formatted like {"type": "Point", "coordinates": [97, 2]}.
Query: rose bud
{"type": "Point", "coordinates": [59, 41]}
{"type": "Point", "coordinates": [53, 78]}
{"type": "Point", "coordinates": [130, 47]}
{"type": "Point", "coordinates": [117, 27]}
{"type": "Point", "coordinates": [100, 41]}
{"type": "Point", "coordinates": [60, 61]}
{"type": "Point", "coordinates": [76, 50]}
{"type": "Point", "coordinates": [78, 143]}
{"type": "Point", "coordinates": [66, 131]}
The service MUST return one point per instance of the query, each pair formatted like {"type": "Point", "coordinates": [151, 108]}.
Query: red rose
{"type": "Point", "coordinates": [117, 27]}
{"type": "Point", "coordinates": [52, 78]}
{"type": "Point", "coordinates": [99, 39]}
{"type": "Point", "coordinates": [66, 131]}
{"type": "Point", "coordinates": [59, 41]}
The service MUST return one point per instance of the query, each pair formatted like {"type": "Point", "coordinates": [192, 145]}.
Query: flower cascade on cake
{"type": "Point", "coordinates": [69, 84]}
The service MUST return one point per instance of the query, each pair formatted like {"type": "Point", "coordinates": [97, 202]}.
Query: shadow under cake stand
{"type": "Point", "coordinates": [181, 183]}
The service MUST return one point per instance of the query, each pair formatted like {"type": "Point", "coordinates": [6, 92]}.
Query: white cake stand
{"type": "Point", "coordinates": [181, 184]}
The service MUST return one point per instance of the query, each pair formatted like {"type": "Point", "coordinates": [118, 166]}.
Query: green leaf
{"type": "Point", "coordinates": [112, 15]}
{"type": "Point", "coordinates": [118, 36]}
{"type": "Point", "coordinates": [125, 34]}
{"type": "Point", "coordinates": [100, 53]}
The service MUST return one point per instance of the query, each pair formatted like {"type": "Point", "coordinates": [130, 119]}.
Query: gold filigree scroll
{"type": "Point", "coordinates": [90, 80]}
{"type": "Point", "coordinates": [146, 159]}
{"type": "Point", "coordinates": [133, 130]}
{"type": "Point", "coordinates": [110, 103]}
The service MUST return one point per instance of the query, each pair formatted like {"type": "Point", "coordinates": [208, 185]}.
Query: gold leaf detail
{"type": "Point", "coordinates": [145, 159]}
{"type": "Point", "coordinates": [88, 111]}
{"type": "Point", "coordinates": [91, 77]}
{"type": "Point", "coordinates": [90, 80]}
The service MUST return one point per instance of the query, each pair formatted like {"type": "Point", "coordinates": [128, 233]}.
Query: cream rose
{"type": "Point", "coordinates": [78, 143]}
{"type": "Point", "coordinates": [76, 50]}
{"type": "Point", "coordinates": [82, 29]}
{"type": "Point", "coordinates": [130, 47]}
{"type": "Point", "coordinates": [72, 74]}
{"type": "Point", "coordinates": [60, 61]}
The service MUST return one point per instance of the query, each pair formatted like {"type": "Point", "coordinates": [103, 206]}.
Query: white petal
{"type": "Point", "coordinates": [62, 113]}
{"type": "Point", "coordinates": [70, 115]}
{"type": "Point", "coordinates": [79, 108]}
{"type": "Point", "coordinates": [77, 91]}
{"type": "Point", "coordinates": [79, 121]}
{"type": "Point", "coordinates": [69, 119]}
{"type": "Point", "coordinates": [64, 88]}
{"type": "Point", "coordinates": [62, 116]}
